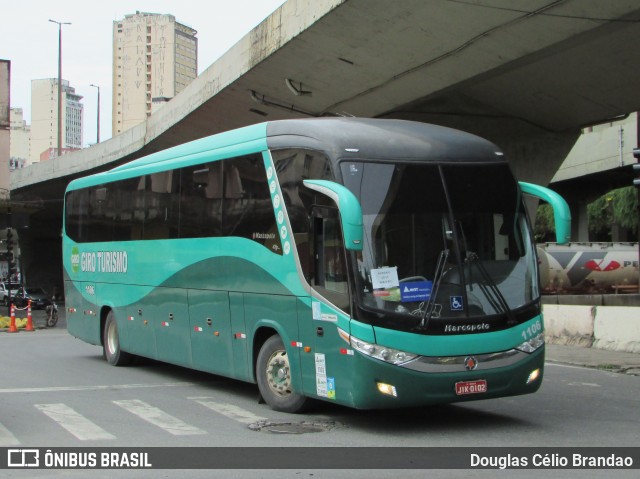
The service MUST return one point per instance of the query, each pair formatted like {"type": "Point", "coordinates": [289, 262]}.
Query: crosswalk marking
{"type": "Point", "coordinates": [74, 422]}
{"type": "Point", "coordinates": [158, 418]}
{"type": "Point", "coordinates": [6, 438]}
{"type": "Point", "coordinates": [229, 410]}
{"type": "Point", "coordinates": [86, 430]}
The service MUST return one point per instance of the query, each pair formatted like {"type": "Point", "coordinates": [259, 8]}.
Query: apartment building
{"type": "Point", "coordinates": [44, 117]}
{"type": "Point", "coordinates": [154, 59]}
{"type": "Point", "coordinates": [20, 140]}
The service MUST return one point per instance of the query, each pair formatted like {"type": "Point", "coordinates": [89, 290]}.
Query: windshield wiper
{"type": "Point", "coordinates": [431, 302]}
{"type": "Point", "coordinates": [489, 288]}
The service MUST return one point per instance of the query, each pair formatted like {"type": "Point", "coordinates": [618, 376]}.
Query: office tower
{"type": "Point", "coordinates": [44, 118]}
{"type": "Point", "coordinates": [20, 140]}
{"type": "Point", "coordinates": [154, 58]}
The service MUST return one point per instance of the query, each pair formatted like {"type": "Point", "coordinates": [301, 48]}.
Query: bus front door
{"type": "Point", "coordinates": [330, 298]}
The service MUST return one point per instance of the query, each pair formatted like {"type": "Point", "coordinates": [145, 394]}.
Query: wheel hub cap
{"type": "Point", "coordinates": [278, 375]}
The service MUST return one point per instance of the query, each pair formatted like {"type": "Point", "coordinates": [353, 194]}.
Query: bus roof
{"type": "Point", "coordinates": [339, 138]}
{"type": "Point", "coordinates": [381, 139]}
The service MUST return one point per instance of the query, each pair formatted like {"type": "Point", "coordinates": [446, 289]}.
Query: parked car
{"type": "Point", "coordinates": [4, 292]}
{"type": "Point", "coordinates": [39, 299]}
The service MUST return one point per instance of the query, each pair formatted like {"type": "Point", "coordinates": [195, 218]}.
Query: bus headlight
{"type": "Point", "coordinates": [388, 355]}
{"type": "Point", "coordinates": [532, 344]}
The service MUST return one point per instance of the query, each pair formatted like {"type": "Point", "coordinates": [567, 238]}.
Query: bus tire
{"type": "Point", "coordinates": [273, 375]}
{"type": "Point", "coordinates": [111, 343]}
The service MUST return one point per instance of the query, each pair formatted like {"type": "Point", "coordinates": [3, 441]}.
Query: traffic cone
{"type": "Point", "coordinates": [12, 324]}
{"type": "Point", "coordinates": [29, 326]}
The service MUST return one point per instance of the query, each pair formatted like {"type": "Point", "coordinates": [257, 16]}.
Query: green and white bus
{"type": "Point", "coordinates": [373, 263]}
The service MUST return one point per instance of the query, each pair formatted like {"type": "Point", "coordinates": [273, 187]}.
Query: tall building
{"type": "Point", "coordinates": [20, 140]}
{"type": "Point", "coordinates": [154, 59]}
{"type": "Point", "coordinates": [44, 117]}
{"type": "Point", "coordinates": [5, 84]}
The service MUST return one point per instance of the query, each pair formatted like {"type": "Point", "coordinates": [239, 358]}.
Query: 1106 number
{"type": "Point", "coordinates": [532, 330]}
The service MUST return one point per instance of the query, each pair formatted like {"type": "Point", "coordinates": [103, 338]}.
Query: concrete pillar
{"type": "Point", "coordinates": [5, 124]}
{"type": "Point", "coordinates": [579, 219]}
{"type": "Point", "coordinates": [41, 256]}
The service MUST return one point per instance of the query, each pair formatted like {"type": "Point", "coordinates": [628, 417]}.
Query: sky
{"type": "Point", "coordinates": [30, 42]}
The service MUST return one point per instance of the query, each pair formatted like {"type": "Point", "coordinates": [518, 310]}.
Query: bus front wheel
{"type": "Point", "coordinates": [274, 377]}
{"type": "Point", "coordinates": [111, 343]}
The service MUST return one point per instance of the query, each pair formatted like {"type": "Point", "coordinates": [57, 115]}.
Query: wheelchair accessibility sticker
{"type": "Point", "coordinates": [456, 303]}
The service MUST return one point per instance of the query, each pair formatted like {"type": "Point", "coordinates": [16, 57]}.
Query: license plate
{"type": "Point", "coordinates": [471, 387]}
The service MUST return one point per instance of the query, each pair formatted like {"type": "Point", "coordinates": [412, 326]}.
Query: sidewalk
{"type": "Point", "coordinates": [614, 361]}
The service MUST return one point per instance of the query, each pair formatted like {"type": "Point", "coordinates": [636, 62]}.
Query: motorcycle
{"type": "Point", "coordinates": [52, 314]}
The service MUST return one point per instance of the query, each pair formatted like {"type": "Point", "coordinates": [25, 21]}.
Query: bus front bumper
{"type": "Point", "coordinates": [378, 385]}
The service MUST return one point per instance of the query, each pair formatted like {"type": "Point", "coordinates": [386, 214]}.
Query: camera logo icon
{"type": "Point", "coordinates": [23, 458]}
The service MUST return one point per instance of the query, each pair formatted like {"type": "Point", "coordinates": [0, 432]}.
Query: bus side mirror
{"type": "Point", "coordinates": [561, 213]}
{"type": "Point", "coordinates": [350, 210]}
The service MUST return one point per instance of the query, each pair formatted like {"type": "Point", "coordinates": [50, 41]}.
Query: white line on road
{"type": "Point", "coordinates": [229, 410]}
{"type": "Point", "coordinates": [6, 438]}
{"type": "Point", "coordinates": [74, 422]}
{"type": "Point", "coordinates": [91, 388]}
{"type": "Point", "coordinates": [562, 365]}
{"type": "Point", "coordinates": [159, 418]}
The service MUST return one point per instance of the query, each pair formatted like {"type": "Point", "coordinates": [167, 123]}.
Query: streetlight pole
{"type": "Point", "coordinates": [98, 121]}
{"type": "Point", "coordinates": [60, 83]}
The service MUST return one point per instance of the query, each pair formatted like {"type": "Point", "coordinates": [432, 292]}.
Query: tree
{"type": "Point", "coordinates": [618, 206]}
{"type": "Point", "coordinates": [544, 228]}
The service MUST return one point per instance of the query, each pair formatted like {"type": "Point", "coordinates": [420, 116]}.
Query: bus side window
{"type": "Point", "coordinates": [329, 275]}
{"type": "Point", "coordinates": [161, 220]}
{"type": "Point", "coordinates": [247, 210]}
{"type": "Point", "coordinates": [76, 215]}
{"type": "Point", "coordinates": [294, 165]}
{"type": "Point", "coordinates": [201, 200]}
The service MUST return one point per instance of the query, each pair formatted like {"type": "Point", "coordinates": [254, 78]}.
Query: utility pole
{"type": "Point", "coordinates": [59, 153]}
{"type": "Point", "coordinates": [98, 115]}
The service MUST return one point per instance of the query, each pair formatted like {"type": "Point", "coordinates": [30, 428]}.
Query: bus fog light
{"type": "Point", "coordinates": [535, 374]}
{"type": "Point", "coordinates": [387, 389]}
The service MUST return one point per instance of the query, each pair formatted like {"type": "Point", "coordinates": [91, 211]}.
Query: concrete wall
{"type": "Point", "coordinates": [616, 328]}
{"type": "Point", "coordinates": [600, 148]}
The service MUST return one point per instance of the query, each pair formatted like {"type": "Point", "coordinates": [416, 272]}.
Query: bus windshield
{"type": "Point", "coordinates": [441, 241]}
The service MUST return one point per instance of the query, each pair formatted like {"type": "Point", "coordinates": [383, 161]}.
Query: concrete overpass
{"type": "Point", "coordinates": [526, 78]}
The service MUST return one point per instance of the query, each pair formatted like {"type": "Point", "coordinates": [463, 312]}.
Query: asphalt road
{"type": "Point", "coordinates": [56, 391]}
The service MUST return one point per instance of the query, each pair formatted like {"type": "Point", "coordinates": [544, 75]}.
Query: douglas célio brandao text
{"type": "Point", "coordinates": [550, 460]}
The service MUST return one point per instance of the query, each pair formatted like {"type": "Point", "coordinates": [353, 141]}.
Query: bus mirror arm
{"type": "Point", "coordinates": [349, 207]}
{"type": "Point", "coordinates": [561, 213]}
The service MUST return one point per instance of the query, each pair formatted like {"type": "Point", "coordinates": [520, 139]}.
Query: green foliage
{"type": "Point", "coordinates": [544, 228]}
{"type": "Point", "coordinates": [616, 207]}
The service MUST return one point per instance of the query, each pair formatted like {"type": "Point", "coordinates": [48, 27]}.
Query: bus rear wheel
{"type": "Point", "coordinates": [274, 378]}
{"type": "Point", "coordinates": [111, 343]}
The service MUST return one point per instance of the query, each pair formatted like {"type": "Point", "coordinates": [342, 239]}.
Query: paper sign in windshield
{"type": "Point", "coordinates": [415, 291]}
{"type": "Point", "coordinates": [384, 278]}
